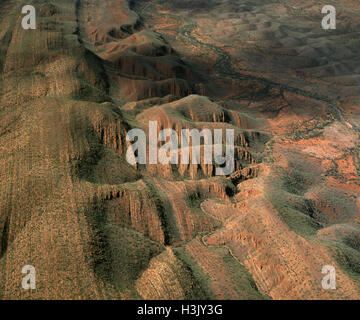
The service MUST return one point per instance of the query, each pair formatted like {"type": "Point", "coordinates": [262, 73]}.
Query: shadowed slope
{"type": "Point", "coordinates": [95, 227]}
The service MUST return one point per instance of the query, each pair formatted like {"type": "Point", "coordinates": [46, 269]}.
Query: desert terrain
{"type": "Point", "coordinates": [96, 227]}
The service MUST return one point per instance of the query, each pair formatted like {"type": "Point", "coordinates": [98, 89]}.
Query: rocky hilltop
{"type": "Point", "coordinates": [96, 227]}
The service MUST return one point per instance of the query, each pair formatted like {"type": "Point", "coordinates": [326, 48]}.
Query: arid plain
{"type": "Point", "coordinates": [95, 227]}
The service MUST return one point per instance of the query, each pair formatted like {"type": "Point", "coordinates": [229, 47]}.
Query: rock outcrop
{"type": "Point", "coordinates": [96, 227]}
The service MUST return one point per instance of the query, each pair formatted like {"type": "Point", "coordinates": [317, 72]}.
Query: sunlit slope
{"type": "Point", "coordinates": [71, 206]}
{"type": "Point", "coordinates": [95, 227]}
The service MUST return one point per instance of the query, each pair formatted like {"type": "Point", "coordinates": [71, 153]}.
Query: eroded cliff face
{"type": "Point", "coordinates": [95, 227]}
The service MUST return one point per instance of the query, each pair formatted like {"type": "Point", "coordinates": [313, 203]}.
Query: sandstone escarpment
{"type": "Point", "coordinates": [137, 60]}
{"type": "Point", "coordinates": [96, 227]}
